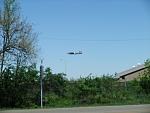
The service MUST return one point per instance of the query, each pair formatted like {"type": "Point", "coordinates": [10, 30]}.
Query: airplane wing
{"type": "Point", "coordinates": [71, 53]}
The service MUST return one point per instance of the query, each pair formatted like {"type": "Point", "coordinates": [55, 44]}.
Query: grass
{"type": "Point", "coordinates": [132, 101]}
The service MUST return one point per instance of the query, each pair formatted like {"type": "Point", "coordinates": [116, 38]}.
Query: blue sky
{"type": "Point", "coordinates": [113, 35]}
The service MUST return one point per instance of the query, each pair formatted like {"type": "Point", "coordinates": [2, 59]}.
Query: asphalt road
{"type": "Point", "coordinates": [101, 109]}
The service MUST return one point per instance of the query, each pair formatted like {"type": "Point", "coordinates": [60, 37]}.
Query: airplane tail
{"type": "Point", "coordinates": [80, 52]}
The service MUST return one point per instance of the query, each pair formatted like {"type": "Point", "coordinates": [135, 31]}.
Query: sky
{"type": "Point", "coordinates": [113, 35]}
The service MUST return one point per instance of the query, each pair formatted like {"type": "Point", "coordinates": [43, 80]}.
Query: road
{"type": "Point", "coordinates": [100, 109]}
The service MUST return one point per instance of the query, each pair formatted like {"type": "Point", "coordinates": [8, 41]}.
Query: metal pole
{"type": "Point", "coordinates": [125, 83]}
{"type": "Point", "coordinates": [41, 91]}
{"type": "Point", "coordinates": [41, 77]}
{"type": "Point", "coordinates": [65, 68]}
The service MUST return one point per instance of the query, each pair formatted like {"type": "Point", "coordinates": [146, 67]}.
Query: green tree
{"type": "Point", "coordinates": [17, 39]}
{"type": "Point", "coordinates": [54, 86]}
{"type": "Point", "coordinates": [22, 90]}
{"type": "Point", "coordinates": [145, 79]}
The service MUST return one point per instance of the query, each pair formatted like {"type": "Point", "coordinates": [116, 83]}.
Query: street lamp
{"type": "Point", "coordinates": [41, 77]}
{"type": "Point", "coordinates": [65, 65]}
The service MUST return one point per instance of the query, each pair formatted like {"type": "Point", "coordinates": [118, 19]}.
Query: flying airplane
{"type": "Point", "coordinates": [75, 53]}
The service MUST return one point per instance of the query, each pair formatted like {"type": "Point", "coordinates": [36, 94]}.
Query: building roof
{"type": "Point", "coordinates": [131, 71]}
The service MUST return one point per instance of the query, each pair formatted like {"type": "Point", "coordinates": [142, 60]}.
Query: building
{"type": "Point", "coordinates": [130, 74]}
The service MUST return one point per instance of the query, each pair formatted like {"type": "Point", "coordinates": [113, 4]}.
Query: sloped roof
{"type": "Point", "coordinates": [131, 71]}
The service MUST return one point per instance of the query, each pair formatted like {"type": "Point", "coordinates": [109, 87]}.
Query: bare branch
{"type": "Point", "coordinates": [17, 37]}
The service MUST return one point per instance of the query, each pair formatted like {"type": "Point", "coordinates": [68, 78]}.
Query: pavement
{"type": "Point", "coordinates": [101, 109]}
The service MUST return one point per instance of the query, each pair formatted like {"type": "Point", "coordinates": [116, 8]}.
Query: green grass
{"type": "Point", "coordinates": [132, 101]}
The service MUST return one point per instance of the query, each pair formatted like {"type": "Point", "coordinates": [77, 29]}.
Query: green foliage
{"type": "Point", "coordinates": [20, 83]}
{"type": "Point", "coordinates": [17, 88]}
{"type": "Point", "coordinates": [51, 99]}
{"type": "Point", "coordinates": [145, 79]}
{"type": "Point", "coordinates": [17, 39]}
{"type": "Point", "coordinates": [20, 87]}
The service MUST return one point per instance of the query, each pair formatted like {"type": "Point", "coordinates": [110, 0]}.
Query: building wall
{"type": "Point", "coordinates": [132, 76]}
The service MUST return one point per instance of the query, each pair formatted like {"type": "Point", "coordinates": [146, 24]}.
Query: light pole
{"type": "Point", "coordinates": [125, 82]}
{"type": "Point", "coordinates": [41, 77]}
{"type": "Point", "coordinates": [65, 65]}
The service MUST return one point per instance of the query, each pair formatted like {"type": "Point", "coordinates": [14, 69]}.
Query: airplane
{"type": "Point", "coordinates": [75, 53]}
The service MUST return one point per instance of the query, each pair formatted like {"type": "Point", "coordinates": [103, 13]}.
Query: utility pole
{"type": "Point", "coordinates": [125, 82]}
{"type": "Point", "coordinates": [41, 77]}
{"type": "Point", "coordinates": [65, 66]}
{"type": "Point", "coordinates": [65, 69]}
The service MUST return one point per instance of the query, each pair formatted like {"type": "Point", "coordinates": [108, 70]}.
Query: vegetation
{"type": "Point", "coordinates": [20, 81]}
{"type": "Point", "coordinates": [23, 90]}
{"type": "Point", "coordinates": [17, 39]}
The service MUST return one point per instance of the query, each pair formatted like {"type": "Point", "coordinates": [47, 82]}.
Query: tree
{"type": "Point", "coordinates": [17, 39]}
{"type": "Point", "coordinates": [145, 79]}
{"type": "Point", "coordinates": [22, 90]}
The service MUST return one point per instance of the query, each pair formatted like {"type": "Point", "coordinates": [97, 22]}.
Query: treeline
{"type": "Point", "coordinates": [20, 88]}
{"type": "Point", "coordinates": [20, 82]}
